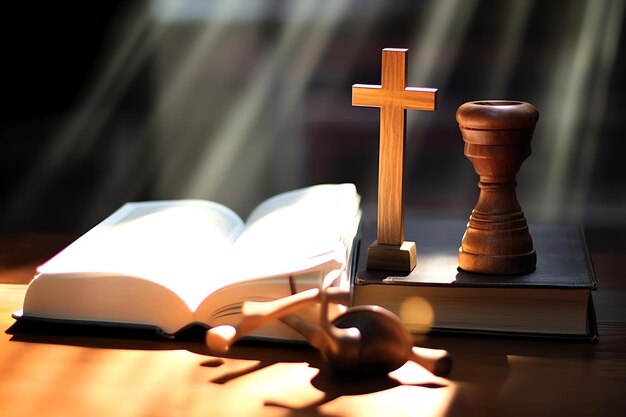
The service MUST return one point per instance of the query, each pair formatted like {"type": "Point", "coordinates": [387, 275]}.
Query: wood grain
{"type": "Point", "coordinates": [497, 137]}
{"type": "Point", "coordinates": [393, 97]}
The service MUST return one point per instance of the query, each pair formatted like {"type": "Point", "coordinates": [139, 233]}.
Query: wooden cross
{"type": "Point", "coordinates": [393, 97]}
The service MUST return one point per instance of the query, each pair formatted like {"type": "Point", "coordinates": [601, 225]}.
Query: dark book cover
{"type": "Point", "coordinates": [563, 263]}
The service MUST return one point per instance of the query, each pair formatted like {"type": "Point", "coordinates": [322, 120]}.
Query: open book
{"type": "Point", "coordinates": [171, 264]}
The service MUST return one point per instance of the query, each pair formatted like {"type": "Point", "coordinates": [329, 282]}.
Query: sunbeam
{"type": "Point", "coordinates": [567, 102]}
{"type": "Point", "coordinates": [280, 80]}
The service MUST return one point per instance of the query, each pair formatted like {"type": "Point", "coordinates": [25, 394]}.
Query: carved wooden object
{"type": "Point", "coordinates": [363, 340]}
{"type": "Point", "coordinates": [497, 138]}
{"type": "Point", "coordinates": [390, 251]}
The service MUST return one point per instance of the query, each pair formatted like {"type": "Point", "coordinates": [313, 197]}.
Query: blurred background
{"type": "Point", "coordinates": [236, 100]}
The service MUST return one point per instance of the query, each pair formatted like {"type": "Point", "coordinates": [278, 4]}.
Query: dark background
{"type": "Point", "coordinates": [234, 101]}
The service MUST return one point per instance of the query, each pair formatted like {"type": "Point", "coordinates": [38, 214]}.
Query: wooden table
{"type": "Point", "coordinates": [57, 372]}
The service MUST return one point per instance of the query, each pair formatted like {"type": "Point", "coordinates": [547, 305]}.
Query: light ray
{"type": "Point", "coordinates": [77, 135]}
{"type": "Point", "coordinates": [446, 23]}
{"type": "Point", "coordinates": [434, 52]}
{"type": "Point", "coordinates": [180, 86]}
{"type": "Point", "coordinates": [608, 48]}
{"type": "Point", "coordinates": [567, 102]}
{"type": "Point", "coordinates": [509, 40]}
{"type": "Point", "coordinates": [281, 80]}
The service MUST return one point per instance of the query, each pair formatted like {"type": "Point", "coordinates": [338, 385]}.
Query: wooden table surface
{"type": "Point", "coordinates": [64, 372]}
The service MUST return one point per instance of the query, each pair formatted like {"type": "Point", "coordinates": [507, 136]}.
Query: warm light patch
{"type": "Point", "coordinates": [418, 314]}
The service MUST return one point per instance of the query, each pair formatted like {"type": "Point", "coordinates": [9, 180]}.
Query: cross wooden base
{"type": "Point", "coordinates": [392, 257]}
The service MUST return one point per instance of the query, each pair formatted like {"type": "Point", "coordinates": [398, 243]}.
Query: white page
{"type": "Point", "coordinates": [290, 231]}
{"type": "Point", "coordinates": [187, 245]}
{"type": "Point", "coordinates": [179, 244]}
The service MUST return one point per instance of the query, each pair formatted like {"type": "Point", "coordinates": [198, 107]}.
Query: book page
{"type": "Point", "coordinates": [176, 244]}
{"type": "Point", "coordinates": [296, 230]}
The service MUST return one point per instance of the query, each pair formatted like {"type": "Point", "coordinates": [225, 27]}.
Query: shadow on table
{"type": "Point", "coordinates": [263, 355]}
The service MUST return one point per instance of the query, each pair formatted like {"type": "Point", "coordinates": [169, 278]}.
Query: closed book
{"type": "Point", "coordinates": [554, 300]}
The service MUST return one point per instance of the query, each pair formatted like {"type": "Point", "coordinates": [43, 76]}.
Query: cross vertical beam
{"type": "Point", "coordinates": [393, 97]}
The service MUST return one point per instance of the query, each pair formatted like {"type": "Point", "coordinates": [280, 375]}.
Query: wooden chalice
{"type": "Point", "coordinates": [497, 138]}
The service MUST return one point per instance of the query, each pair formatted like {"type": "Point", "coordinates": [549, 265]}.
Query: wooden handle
{"type": "Point", "coordinates": [437, 361]}
{"type": "Point", "coordinates": [257, 313]}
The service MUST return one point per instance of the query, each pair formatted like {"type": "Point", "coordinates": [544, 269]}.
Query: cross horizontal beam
{"type": "Point", "coordinates": [364, 95]}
